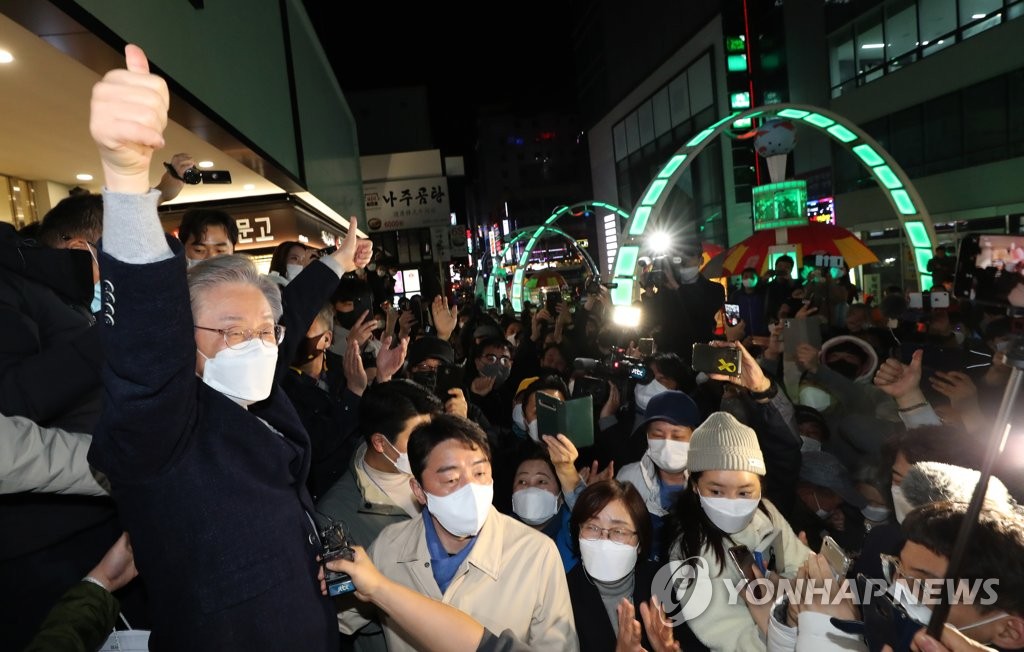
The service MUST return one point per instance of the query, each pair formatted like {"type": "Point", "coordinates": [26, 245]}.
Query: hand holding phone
{"type": "Point", "coordinates": [836, 557]}
{"type": "Point", "coordinates": [717, 360]}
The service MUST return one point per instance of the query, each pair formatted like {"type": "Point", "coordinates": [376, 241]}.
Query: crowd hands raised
{"type": "Point", "coordinates": [245, 413]}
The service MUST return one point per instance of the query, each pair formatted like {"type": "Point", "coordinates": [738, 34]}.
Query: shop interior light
{"type": "Point", "coordinates": [736, 63]}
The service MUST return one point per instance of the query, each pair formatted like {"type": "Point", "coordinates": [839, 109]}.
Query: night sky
{"type": "Point", "coordinates": [527, 58]}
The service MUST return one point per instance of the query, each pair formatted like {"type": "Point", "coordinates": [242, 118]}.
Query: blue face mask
{"type": "Point", "coordinates": [97, 299]}
{"type": "Point", "coordinates": [97, 293]}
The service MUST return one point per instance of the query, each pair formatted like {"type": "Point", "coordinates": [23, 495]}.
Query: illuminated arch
{"type": "Point", "coordinates": [895, 183]}
{"type": "Point", "coordinates": [524, 258]}
{"type": "Point", "coordinates": [535, 233]}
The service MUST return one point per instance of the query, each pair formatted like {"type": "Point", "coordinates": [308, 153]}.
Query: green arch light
{"type": "Point", "coordinates": [895, 184]}
{"type": "Point", "coordinates": [534, 234]}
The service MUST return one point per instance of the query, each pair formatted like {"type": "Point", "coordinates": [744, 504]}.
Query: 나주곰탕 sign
{"type": "Point", "coordinates": [408, 204]}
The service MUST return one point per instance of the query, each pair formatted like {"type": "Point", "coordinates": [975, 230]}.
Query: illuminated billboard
{"type": "Point", "coordinates": [778, 205]}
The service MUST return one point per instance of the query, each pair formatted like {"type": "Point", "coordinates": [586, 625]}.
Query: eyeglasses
{"type": "Point", "coordinates": [236, 338]}
{"type": "Point", "coordinates": [491, 358]}
{"type": "Point", "coordinates": [591, 532]}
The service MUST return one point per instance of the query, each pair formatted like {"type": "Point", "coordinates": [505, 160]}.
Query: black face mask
{"type": "Point", "coordinates": [348, 319]}
{"type": "Point", "coordinates": [425, 379]}
{"type": "Point", "coordinates": [845, 368]}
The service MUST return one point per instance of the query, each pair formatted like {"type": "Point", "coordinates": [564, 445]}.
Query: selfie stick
{"type": "Point", "coordinates": [996, 442]}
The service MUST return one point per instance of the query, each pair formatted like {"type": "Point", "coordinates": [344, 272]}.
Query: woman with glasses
{"type": "Point", "coordinates": [722, 508]}
{"type": "Point", "coordinates": [206, 457]}
{"type": "Point", "coordinates": [612, 532]}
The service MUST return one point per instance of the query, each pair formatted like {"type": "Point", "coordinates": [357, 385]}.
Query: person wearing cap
{"type": "Point", "coordinates": [722, 507]}
{"type": "Point", "coordinates": [431, 356]}
{"type": "Point", "coordinates": [661, 473]}
{"type": "Point", "coordinates": [813, 428]}
{"type": "Point", "coordinates": [829, 503]}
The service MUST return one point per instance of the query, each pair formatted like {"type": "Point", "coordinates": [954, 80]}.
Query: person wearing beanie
{"type": "Point", "coordinates": [661, 474]}
{"type": "Point", "coordinates": [723, 507]}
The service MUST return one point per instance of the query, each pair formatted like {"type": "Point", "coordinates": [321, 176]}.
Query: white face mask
{"type": "Point", "coordinates": [730, 515]}
{"type": "Point", "coordinates": [668, 455]}
{"type": "Point", "coordinates": [245, 375]}
{"type": "Point", "coordinates": [875, 514]}
{"type": "Point", "coordinates": [534, 505]}
{"type": "Point", "coordinates": [512, 339]}
{"type": "Point", "coordinates": [900, 504]}
{"type": "Point", "coordinates": [533, 430]}
{"type": "Point", "coordinates": [815, 397]}
{"type": "Point", "coordinates": [293, 270]}
{"type": "Point", "coordinates": [903, 596]}
{"type": "Point", "coordinates": [810, 444]}
{"type": "Point", "coordinates": [464, 511]}
{"type": "Point", "coordinates": [749, 282]}
{"type": "Point", "coordinates": [688, 274]}
{"type": "Point", "coordinates": [606, 560]}
{"type": "Point", "coordinates": [402, 463]}
{"type": "Point", "coordinates": [643, 394]}
{"type": "Point", "coordinates": [518, 418]}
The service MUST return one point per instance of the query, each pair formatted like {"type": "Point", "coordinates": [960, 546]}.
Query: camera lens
{"type": "Point", "coordinates": [191, 176]}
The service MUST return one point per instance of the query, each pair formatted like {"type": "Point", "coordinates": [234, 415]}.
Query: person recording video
{"type": "Point", "coordinates": [683, 297]}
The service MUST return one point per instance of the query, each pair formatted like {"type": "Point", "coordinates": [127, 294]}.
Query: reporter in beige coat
{"type": "Point", "coordinates": [464, 553]}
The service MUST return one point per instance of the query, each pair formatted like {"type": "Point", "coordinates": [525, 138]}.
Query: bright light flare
{"type": "Point", "coordinates": [626, 316]}
{"type": "Point", "coordinates": [659, 242]}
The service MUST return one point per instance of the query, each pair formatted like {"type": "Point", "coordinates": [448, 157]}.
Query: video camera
{"type": "Point", "coordinates": [336, 545]}
{"type": "Point", "coordinates": [615, 366]}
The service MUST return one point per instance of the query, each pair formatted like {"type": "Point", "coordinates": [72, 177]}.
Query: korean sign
{"type": "Point", "coordinates": [408, 204]}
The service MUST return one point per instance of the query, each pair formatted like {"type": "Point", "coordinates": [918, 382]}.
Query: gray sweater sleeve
{"type": "Point", "coordinates": [131, 228]}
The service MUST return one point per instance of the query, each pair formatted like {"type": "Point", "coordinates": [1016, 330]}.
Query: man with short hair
{"type": "Point", "coordinates": [375, 492]}
{"type": "Point", "coordinates": [780, 288]}
{"type": "Point", "coordinates": [750, 297]}
{"type": "Point", "coordinates": [462, 551]}
{"type": "Point", "coordinates": [988, 593]}
{"type": "Point", "coordinates": [207, 232]}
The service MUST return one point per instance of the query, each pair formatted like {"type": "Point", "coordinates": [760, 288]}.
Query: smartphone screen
{"type": "Point", "coordinates": [732, 314]}
{"type": "Point", "coordinates": [646, 346]}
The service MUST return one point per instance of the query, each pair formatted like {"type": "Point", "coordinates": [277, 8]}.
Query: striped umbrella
{"type": "Point", "coordinates": [809, 240]}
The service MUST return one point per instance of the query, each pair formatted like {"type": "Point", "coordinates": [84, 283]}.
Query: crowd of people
{"type": "Point", "coordinates": [181, 430]}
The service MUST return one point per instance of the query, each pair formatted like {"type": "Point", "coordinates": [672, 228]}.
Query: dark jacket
{"type": "Point", "coordinates": [50, 361]}
{"type": "Point", "coordinates": [593, 626]}
{"type": "Point", "coordinates": [46, 335]}
{"type": "Point", "coordinates": [213, 494]}
{"type": "Point", "coordinates": [752, 309]}
{"type": "Point", "coordinates": [330, 421]}
{"type": "Point", "coordinates": [686, 315]}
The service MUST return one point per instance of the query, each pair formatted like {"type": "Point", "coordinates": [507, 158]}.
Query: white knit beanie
{"type": "Point", "coordinates": [722, 443]}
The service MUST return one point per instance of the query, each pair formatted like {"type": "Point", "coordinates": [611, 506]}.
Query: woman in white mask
{"type": "Point", "coordinates": [537, 501]}
{"type": "Point", "coordinates": [722, 507]}
{"type": "Point", "coordinates": [661, 473]}
{"type": "Point", "coordinates": [612, 530]}
{"type": "Point", "coordinates": [288, 260]}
